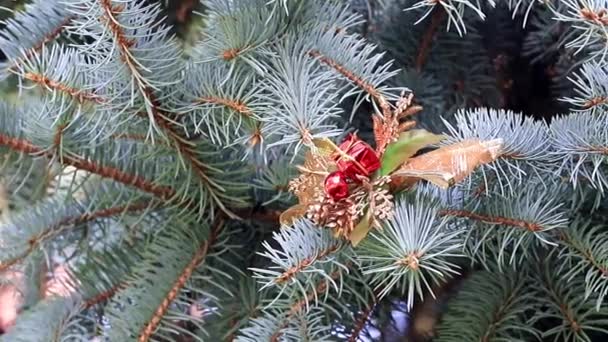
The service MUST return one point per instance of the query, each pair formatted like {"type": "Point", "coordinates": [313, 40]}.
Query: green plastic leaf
{"type": "Point", "coordinates": [408, 144]}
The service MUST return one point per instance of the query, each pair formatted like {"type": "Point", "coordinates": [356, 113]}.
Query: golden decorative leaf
{"type": "Point", "coordinates": [362, 229]}
{"type": "Point", "coordinates": [289, 216]}
{"type": "Point", "coordinates": [448, 165]}
{"type": "Point", "coordinates": [324, 147]}
{"type": "Point", "coordinates": [310, 182]}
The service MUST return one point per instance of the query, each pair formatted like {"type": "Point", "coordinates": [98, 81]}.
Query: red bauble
{"type": "Point", "coordinates": [336, 186]}
{"type": "Point", "coordinates": [364, 159]}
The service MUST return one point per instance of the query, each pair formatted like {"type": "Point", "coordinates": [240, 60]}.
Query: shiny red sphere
{"type": "Point", "coordinates": [336, 186]}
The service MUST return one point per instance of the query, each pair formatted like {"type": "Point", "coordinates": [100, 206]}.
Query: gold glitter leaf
{"type": "Point", "coordinates": [362, 228]}
{"type": "Point", "coordinates": [289, 216]}
{"type": "Point", "coordinates": [448, 165]}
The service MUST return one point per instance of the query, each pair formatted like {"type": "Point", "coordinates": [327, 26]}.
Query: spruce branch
{"type": "Point", "coordinates": [52, 320]}
{"type": "Point", "coordinates": [525, 150]}
{"type": "Point", "coordinates": [362, 320]}
{"type": "Point", "coordinates": [303, 305]}
{"type": "Point", "coordinates": [493, 220]}
{"type": "Point", "coordinates": [69, 103]}
{"type": "Point", "coordinates": [97, 161]}
{"type": "Point", "coordinates": [211, 188]}
{"type": "Point", "coordinates": [547, 36]}
{"type": "Point", "coordinates": [591, 87]}
{"type": "Point", "coordinates": [98, 274]}
{"type": "Point", "coordinates": [141, 148]}
{"type": "Point", "coordinates": [273, 184]}
{"type": "Point", "coordinates": [301, 97]}
{"type": "Point", "coordinates": [178, 285]}
{"type": "Point", "coordinates": [275, 324]}
{"type": "Point", "coordinates": [322, 287]}
{"type": "Point", "coordinates": [331, 17]}
{"type": "Point", "coordinates": [41, 22]}
{"type": "Point", "coordinates": [132, 48]}
{"type": "Point", "coordinates": [156, 313]}
{"type": "Point", "coordinates": [490, 306]}
{"type": "Point", "coordinates": [305, 256]}
{"type": "Point", "coordinates": [358, 62]}
{"type": "Point", "coordinates": [263, 328]}
{"type": "Point", "coordinates": [505, 230]}
{"type": "Point", "coordinates": [37, 227]}
{"type": "Point", "coordinates": [454, 9]}
{"type": "Point", "coordinates": [228, 113]}
{"type": "Point", "coordinates": [200, 170]}
{"type": "Point", "coordinates": [412, 251]}
{"type": "Point", "coordinates": [55, 70]}
{"type": "Point", "coordinates": [24, 146]}
{"type": "Point", "coordinates": [574, 317]}
{"type": "Point", "coordinates": [240, 31]}
{"type": "Point", "coordinates": [586, 247]}
{"type": "Point", "coordinates": [580, 145]}
{"type": "Point", "coordinates": [589, 19]}
{"type": "Point", "coordinates": [298, 327]}
{"type": "Point", "coordinates": [309, 327]}
{"type": "Point", "coordinates": [364, 85]}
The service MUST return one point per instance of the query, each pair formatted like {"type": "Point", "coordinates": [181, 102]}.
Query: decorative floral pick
{"type": "Point", "coordinates": [349, 187]}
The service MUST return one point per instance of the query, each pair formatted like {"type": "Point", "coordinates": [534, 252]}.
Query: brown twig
{"type": "Point", "coordinates": [564, 308]}
{"type": "Point", "coordinates": [112, 24]}
{"type": "Point", "coordinates": [267, 216]}
{"type": "Point", "coordinates": [236, 105]}
{"type": "Point", "coordinates": [600, 17]}
{"type": "Point", "coordinates": [294, 270]}
{"type": "Point", "coordinates": [77, 94]}
{"type": "Point", "coordinates": [358, 81]}
{"type": "Point", "coordinates": [103, 296]}
{"type": "Point", "coordinates": [427, 39]}
{"type": "Point", "coordinates": [596, 101]}
{"type": "Point", "coordinates": [597, 149]}
{"type": "Point", "coordinates": [231, 54]}
{"type": "Point", "coordinates": [362, 320]}
{"type": "Point", "coordinates": [530, 226]}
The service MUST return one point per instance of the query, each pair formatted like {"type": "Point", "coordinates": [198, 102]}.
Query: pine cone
{"type": "Point", "coordinates": [338, 215]}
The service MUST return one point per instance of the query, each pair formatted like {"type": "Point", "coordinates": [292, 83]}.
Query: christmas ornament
{"type": "Point", "coordinates": [336, 186]}
{"type": "Point", "coordinates": [349, 187]}
{"type": "Point", "coordinates": [356, 158]}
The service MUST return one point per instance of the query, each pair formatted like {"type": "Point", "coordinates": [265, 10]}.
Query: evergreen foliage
{"type": "Point", "coordinates": [153, 166]}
